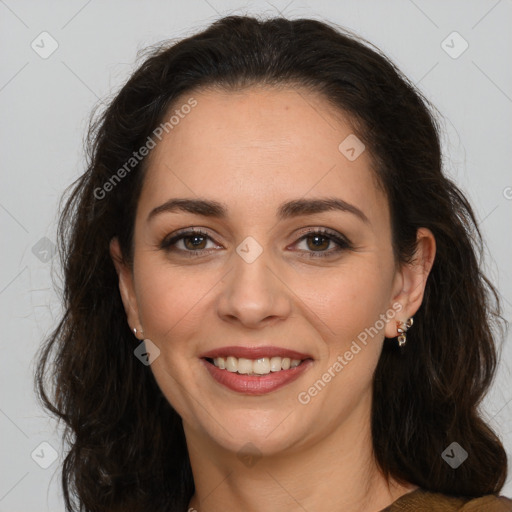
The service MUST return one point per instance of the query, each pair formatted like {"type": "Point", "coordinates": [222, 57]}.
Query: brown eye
{"type": "Point", "coordinates": [189, 243]}
{"type": "Point", "coordinates": [194, 242]}
{"type": "Point", "coordinates": [318, 242]}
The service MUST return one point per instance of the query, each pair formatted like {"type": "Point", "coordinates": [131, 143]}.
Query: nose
{"type": "Point", "coordinates": [254, 295]}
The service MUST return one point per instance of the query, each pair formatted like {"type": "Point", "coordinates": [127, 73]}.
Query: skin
{"type": "Point", "coordinates": [253, 150]}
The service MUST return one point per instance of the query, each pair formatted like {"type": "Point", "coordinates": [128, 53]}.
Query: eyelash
{"type": "Point", "coordinates": [343, 243]}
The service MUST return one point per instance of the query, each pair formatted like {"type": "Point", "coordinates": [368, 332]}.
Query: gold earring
{"type": "Point", "coordinates": [402, 328]}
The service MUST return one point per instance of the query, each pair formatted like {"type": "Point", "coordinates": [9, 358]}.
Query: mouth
{"type": "Point", "coordinates": [255, 367]}
{"type": "Point", "coordinates": [255, 371]}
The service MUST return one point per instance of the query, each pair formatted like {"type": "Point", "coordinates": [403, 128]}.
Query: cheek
{"type": "Point", "coordinates": [348, 301]}
{"type": "Point", "coordinates": [170, 299]}
{"type": "Point", "coordinates": [341, 302]}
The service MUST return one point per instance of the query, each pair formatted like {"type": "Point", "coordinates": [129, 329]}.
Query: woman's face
{"type": "Point", "coordinates": [255, 278]}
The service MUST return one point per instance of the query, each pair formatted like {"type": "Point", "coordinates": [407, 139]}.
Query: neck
{"type": "Point", "coordinates": [335, 472]}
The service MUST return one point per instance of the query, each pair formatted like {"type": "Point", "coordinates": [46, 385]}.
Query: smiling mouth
{"type": "Point", "coordinates": [255, 367]}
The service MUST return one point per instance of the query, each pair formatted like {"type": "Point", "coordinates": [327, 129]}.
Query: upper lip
{"type": "Point", "coordinates": [254, 352]}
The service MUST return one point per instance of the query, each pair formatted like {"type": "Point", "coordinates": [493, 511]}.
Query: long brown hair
{"type": "Point", "coordinates": [127, 446]}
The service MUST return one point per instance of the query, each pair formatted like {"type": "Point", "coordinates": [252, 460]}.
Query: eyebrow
{"type": "Point", "coordinates": [294, 208]}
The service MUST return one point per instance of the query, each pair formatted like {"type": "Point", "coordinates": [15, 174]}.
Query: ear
{"type": "Point", "coordinates": [411, 280]}
{"type": "Point", "coordinates": [125, 275]}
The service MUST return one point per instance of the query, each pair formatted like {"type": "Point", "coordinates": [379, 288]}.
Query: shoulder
{"type": "Point", "coordinates": [425, 501]}
{"type": "Point", "coordinates": [491, 503]}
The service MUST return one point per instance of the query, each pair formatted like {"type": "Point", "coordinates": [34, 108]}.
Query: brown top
{"type": "Point", "coordinates": [424, 501]}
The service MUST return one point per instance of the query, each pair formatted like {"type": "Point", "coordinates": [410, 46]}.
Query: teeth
{"type": "Point", "coordinates": [275, 364]}
{"type": "Point", "coordinates": [262, 366]}
{"type": "Point", "coordinates": [231, 364]}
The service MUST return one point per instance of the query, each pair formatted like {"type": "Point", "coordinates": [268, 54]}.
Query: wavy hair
{"type": "Point", "coordinates": [127, 448]}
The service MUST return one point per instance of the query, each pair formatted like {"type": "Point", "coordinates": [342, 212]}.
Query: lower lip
{"type": "Point", "coordinates": [254, 385]}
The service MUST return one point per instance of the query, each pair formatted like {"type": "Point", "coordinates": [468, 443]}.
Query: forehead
{"type": "Point", "coordinates": [252, 147]}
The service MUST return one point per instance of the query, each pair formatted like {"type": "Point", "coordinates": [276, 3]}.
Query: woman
{"type": "Point", "coordinates": [272, 292]}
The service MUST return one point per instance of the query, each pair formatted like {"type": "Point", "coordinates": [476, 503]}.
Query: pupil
{"type": "Point", "coordinates": [316, 241]}
{"type": "Point", "coordinates": [196, 240]}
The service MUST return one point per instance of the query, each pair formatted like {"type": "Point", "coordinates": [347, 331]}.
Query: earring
{"type": "Point", "coordinates": [135, 331]}
{"type": "Point", "coordinates": [402, 328]}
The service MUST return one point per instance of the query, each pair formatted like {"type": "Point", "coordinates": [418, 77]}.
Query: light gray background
{"type": "Point", "coordinates": [45, 105]}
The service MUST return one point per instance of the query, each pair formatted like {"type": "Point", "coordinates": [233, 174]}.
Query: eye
{"type": "Point", "coordinates": [190, 243]}
{"type": "Point", "coordinates": [316, 243]}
